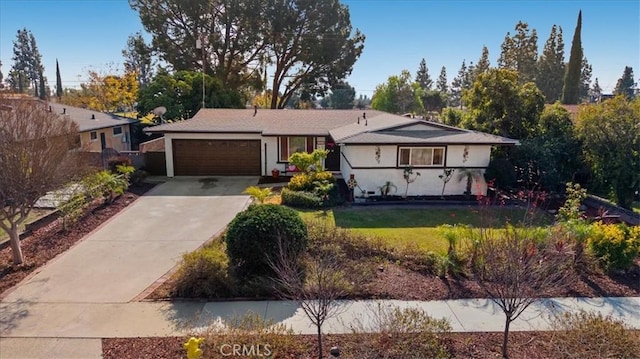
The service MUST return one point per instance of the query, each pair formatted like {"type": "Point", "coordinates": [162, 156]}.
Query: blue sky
{"type": "Point", "coordinates": [90, 34]}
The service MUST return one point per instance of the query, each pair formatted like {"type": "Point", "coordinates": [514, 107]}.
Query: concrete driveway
{"type": "Point", "coordinates": [135, 248]}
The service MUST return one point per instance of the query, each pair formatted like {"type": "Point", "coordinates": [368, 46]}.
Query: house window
{"type": "Point", "coordinates": [421, 156]}
{"type": "Point", "coordinates": [291, 145]}
{"type": "Point", "coordinates": [94, 135]}
{"type": "Point", "coordinates": [117, 131]}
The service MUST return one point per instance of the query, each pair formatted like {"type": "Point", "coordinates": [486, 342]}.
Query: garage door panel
{"type": "Point", "coordinates": [216, 157]}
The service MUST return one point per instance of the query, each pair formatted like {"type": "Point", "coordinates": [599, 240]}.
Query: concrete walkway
{"type": "Point", "coordinates": [128, 253]}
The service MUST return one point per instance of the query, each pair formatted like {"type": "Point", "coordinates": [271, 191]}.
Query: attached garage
{"type": "Point", "coordinates": [195, 157]}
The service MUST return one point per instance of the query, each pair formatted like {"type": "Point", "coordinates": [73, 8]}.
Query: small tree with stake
{"type": "Point", "coordinates": [514, 270]}
{"type": "Point", "coordinates": [35, 158]}
{"type": "Point", "coordinates": [316, 284]}
{"type": "Point", "coordinates": [409, 177]}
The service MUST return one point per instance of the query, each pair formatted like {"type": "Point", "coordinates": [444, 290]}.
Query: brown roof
{"type": "Point", "coordinates": [268, 122]}
{"type": "Point", "coordinates": [344, 126]}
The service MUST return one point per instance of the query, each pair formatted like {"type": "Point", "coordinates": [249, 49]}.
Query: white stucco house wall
{"type": "Point", "coordinates": [373, 146]}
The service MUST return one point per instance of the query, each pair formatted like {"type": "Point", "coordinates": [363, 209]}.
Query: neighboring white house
{"type": "Point", "coordinates": [373, 146]}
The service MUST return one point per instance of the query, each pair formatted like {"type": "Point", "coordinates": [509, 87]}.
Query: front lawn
{"type": "Point", "coordinates": [401, 227]}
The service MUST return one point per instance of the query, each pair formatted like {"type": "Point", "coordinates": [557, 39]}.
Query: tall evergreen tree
{"type": "Point", "coordinates": [43, 91]}
{"type": "Point", "coordinates": [625, 84]}
{"type": "Point", "coordinates": [58, 81]}
{"type": "Point", "coordinates": [422, 76]}
{"type": "Point", "coordinates": [520, 52]}
{"type": "Point", "coordinates": [571, 89]}
{"type": "Point", "coordinates": [550, 67]}
{"type": "Point", "coordinates": [458, 85]}
{"type": "Point", "coordinates": [596, 92]}
{"type": "Point", "coordinates": [442, 85]}
{"type": "Point", "coordinates": [483, 64]}
{"type": "Point", "coordinates": [27, 62]}
{"type": "Point", "coordinates": [585, 80]}
{"type": "Point", "coordinates": [1, 77]}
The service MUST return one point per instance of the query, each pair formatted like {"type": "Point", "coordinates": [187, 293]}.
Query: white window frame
{"type": "Point", "coordinates": [92, 134]}
{"type": "Point", "coordinates": [411, 149]}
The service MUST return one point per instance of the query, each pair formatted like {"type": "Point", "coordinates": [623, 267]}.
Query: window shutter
{"type": "Point", "coordinates": [310, 144]}
{"type": "Point", "coordinates": [284, 149]}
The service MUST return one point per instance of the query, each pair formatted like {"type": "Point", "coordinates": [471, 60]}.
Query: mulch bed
{"type": "Point", "coordinates": [45, 243]}
{"type": "Point", "coordinates": [529, 345]}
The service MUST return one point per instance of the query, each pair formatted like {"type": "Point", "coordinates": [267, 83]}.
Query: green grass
{"type": "Point", "coordinates": [34, 214]}
{"type": "Point", "coordinates": [413, 227]}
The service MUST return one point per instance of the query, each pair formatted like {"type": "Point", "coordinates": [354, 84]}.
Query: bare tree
{"type": "Point", "coordinates": [516, 269]}
{"type": "Point", "coordinates": [35, 158]}
{"type": "Point", "coordinates": [316, 284]}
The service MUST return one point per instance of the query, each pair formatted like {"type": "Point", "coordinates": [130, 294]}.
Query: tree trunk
{"type": "Point", "coordinates": [14, 241]}
{"type": "Point", "coordinates": [319, 342]}
{"type": "Point", "coordinates": [506, 338]}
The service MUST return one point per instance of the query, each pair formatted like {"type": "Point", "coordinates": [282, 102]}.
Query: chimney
{"type": "Point", "coordinates": [358, 120]}
{"type": "Point", "coordinates": [49, 108]}
{"type": "Point", "coordinates": [364, 115]}
{"type": "Point", "coordinates": [366, 122]}
{"type": "Point", "coordinates": [93, 116]}
{"type": "Point", "coordinates": [64, 110]}
{"type": "Point", "coordinates": [255, 110]}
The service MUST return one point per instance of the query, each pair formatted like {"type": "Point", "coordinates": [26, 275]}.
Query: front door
{"type": "Point", "coordinates": [103, 141]}
{"type": "Point", "coordinates": [332, 162]}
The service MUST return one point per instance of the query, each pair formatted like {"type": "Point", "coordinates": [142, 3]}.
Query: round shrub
{"type": "Point", "coordinates": [306, 181]}
{"type": "Point", "coordinates": [254, 235]}
{"type": "Point", "coordinates": [204, 273]}
{"type": "Point", "coordinates": [614, 245]}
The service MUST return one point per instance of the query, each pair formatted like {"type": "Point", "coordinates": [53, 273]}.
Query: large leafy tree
{"type": "Point", "coordinates": [398, 95]}
{"type": "Point", "coordinates": [138, 58]}
{"type": "Point", "coordinates": [27, 69]}
{"type": "Point", "coordinates": [422, 76]}
{"type": "Point", "coordinates": [342, 96]}
{"type": "Point", "coordinates": [611, 137]}
{"type": "Point", "coordinates": [230, 32]}
{"type": "Point", "coordinates": [555, 151]}
{"type": "Point", "coordinates": [625, 85]}
{"type": "Point", "coordinates": [105, 92]}
{"type": "Point", "coordinates": [571, 88]}
{"type": "Point", "coordinates": [499, 105]}
{"type": "Point", "coordinates": [520, 52]}
{"type": "Point", "coordinates": [550, 67]}
{"type": "Point", "coordinates": [35, 158]}
{"type": "Point", "coordinates": [181, 94]}
{"type": "Point", "coordinates": [311, 46]}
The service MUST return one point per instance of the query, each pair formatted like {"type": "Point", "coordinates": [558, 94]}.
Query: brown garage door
{"type": "Point", "coordinates": [216, 157]}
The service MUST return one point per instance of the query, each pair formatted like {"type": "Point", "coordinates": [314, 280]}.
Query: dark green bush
{"type": "Point", "coordinates": [502, 172]}
{"type": "Point", "coordinates": [300, 199]}
{"type": "Point", "coordinates": [204, 273]}
{"type": "Point", "coordinates": [253, 238]}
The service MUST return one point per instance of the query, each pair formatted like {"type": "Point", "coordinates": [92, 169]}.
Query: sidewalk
{"type": "Point", "coordinates": [74, 330]}
{"type": "Point", "coordinates": [147, 319]}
